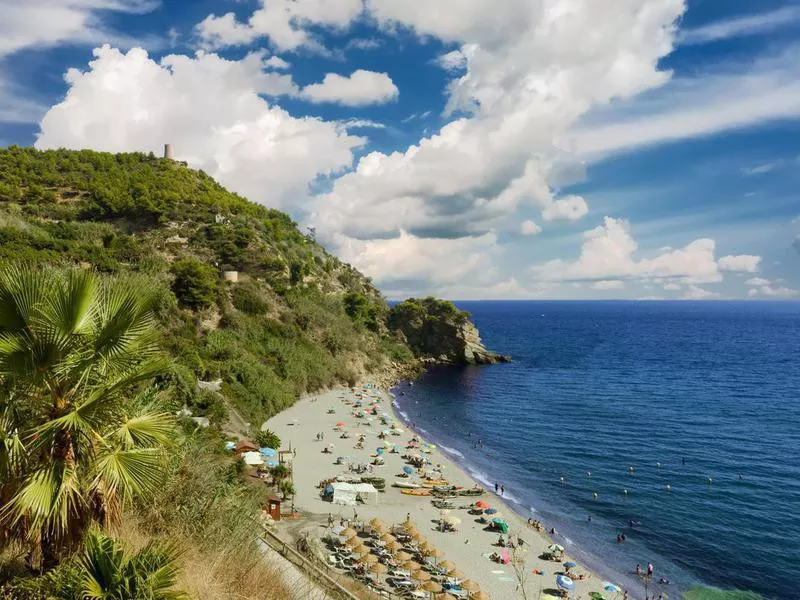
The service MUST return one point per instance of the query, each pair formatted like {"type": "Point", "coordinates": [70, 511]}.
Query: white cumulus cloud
{"type": "Point", "coordinates": [360, 88]}
{"type": "Point", "coordinates": [210, 109]}
{"type": "Point", "coordinates": [744, 263]}
{"type": "Point", "coordinates": [609, 251]}
{"type": "Point", "coordinates": [529, 228]}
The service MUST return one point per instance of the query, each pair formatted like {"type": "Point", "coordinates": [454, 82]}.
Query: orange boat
{"type": "Point", "coordinates": [416, 492]}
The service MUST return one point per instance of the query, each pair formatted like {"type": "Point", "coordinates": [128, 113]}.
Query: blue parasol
{"type": "Point", "coordinates": [408, 470]}
{"type": "Point", "coordinates": [610, 587]}
{"type": "Point", "coordinates": [569, 565]}
{"type": "Point", "coordinates": [490, 511]}
{"type": "Point", "coordinates": [564, 582]}
{"type": "Point", "coordinates": [268, 452]}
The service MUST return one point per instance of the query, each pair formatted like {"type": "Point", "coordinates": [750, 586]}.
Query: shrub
{"type": "Point", "coordinates": [195, 283]}
{"type": "Point", "coordinates": [267, 439]}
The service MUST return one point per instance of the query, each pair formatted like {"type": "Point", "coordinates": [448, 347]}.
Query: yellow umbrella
{"type": "Point", "coordinates": [469, 585]}
{"type": "Point", "coordinates": [402, 556]}
{"type": "Point", "coordinates": [378, 568]}
{"type": "Point", "coordinates": [349, 533]}
{"type": "Point", "coordinates": [432, 586]}
{"type": "Point", "coordinates": [421, 575]}
{"type": "Point", "coordinates": [393, 546]}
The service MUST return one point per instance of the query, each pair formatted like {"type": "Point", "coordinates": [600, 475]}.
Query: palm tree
{"type": "Point", "coordinates": [108, 573]}
{"type": "Point", "coordinates": [73, 450]}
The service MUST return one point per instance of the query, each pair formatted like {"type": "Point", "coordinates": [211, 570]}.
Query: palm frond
{"type": "Point", "coordinates": [128, 473]}
{"type": "Point", "coordinates": [70, 310]}
{"type": "Point", "coordinates": [145, 429]}
{"type": "Point", "coordinates": [102, 563]}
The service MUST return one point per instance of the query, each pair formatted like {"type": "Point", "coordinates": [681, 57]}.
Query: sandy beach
{"type": "Point", "coordinates": [469, 547]}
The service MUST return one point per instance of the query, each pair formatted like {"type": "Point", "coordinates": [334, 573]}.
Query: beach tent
{"type": "Point", "coordinates": [347, 494]}
{"type": "Point", "coordinates": [252, 458]}
{"type": "Point", "coordinates": [268, 452]}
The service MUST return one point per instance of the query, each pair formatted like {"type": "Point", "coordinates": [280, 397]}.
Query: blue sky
{"type": "Point", "coordinates": [464, 148]}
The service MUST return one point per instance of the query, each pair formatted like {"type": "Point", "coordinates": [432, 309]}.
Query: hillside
{"type": "Point", "coordinates": [297, 319]}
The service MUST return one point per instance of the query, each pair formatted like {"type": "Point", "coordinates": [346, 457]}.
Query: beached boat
{"type": "Point", "coordinates": [475, 491]}
{"type": "Point", "coordinates": [407, 485]}
{"type": "Point", "coordinates": [415, 492]}
{"type": "Point", "coordinates": [437, 483]}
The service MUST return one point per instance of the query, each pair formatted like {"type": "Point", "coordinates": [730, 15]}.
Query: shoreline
{"type": "Point", "coordinates": [469, 548]}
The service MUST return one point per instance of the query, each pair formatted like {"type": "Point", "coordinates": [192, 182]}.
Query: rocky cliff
{"type": "Point", "coordinates": [438, 332]}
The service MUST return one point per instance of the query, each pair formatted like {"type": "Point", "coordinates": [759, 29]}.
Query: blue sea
{"type": "Point", "coordinates": [601, 394]}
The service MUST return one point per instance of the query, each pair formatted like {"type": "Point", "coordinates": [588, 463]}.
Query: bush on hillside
{"type": "Point", "coordinates": [195, 283]}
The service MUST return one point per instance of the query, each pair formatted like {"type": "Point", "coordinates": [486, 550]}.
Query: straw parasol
{"type": "Point", "coordinates": [353, 542]}
{"type": "Point", "coordinates": [349, 533]}
{"type": "Point", "coordinates": [446, 597]}
{"type": "Point", "coordinates": [470, 585]}
{"type": "Point", "coordinates": [421, 575]}
{"type": "Point", "coordinates": [402, 556]}
{"type": "Point", "coordinates": [435, 553]}
{"type": "Point", "coordinates": [480, 595]}
{"type": "Point", "coordinates": [370, 559]}
{"type": "Point", "coordinates": [362, 552]}
{"type": "Point", "coordinates": [412, 566]}
{"type": "Point", "coordinates": [432, 586]}
{"type": "Point", "coordinates": [416, 535]}
{"type": "Point", "coordinates": [448, 565]}
{"type": "Point", "coordinates": [387, 537]}
{"type": "Point", "coordinates": [456, 573]}
{"type": "Point", "coordinates": [393, 546]}
{"type": "Point", "coordinates": [378, 568]}
{"type": "Point", "coordinates": [376, 522]}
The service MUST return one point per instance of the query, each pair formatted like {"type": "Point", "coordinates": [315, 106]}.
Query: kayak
{"type": "Point", "coordinates": [415, 492]}
{"type": "Point", "coordinates": [406, 485]}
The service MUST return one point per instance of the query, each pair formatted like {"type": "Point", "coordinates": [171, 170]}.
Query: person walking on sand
{"type": "Point", "coordinates": [330, 520]}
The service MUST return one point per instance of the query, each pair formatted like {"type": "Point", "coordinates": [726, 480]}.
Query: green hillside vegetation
{"type": "Point", "coordinates": [297, 320]}
{"type": "Point", "coordinates": [102, 492]}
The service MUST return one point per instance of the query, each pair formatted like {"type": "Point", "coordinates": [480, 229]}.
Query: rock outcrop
{"type": "Point", "coordinates": [438, 332]}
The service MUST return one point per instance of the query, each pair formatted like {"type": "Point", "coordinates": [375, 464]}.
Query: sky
{"type": "Point", "coordinates": [469, 149]}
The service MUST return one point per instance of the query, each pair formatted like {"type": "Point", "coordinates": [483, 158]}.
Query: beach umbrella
{"type": "Point", "coordinates": [349, 533]}
{"type": "Point", "coordinates": [376, 522]}
{"type": "Point", "coordinates": [408, 470]}
{"type": "Point", "coordinates": [378, 568]}
{"type": "Point", "coordinates": [268, 452]}
{"type": "Point", "coordinates": [564, 582]}
{"type": "Point", "coordinates": [411, 566]}
{"type": "Point", "coordinates": [432, 586]}
{"type": "Point", "coordinates": [387, 537]}
{"type": "Point", "coordinates": [480, 595]}
{"type": "Point", "coordinates": [610, 587]}
{"type": "Point", "coordinates": [469, 585]}
{"type": "Point", "coordinates": [555, 548]}
{"type": "Point", "coordinates": [369, 559]}
{"type": "Point", "coordinates": [490, 511]}
{"type": "Point", "coordinates": [483, 505]}
{"type": "Point", "coordinates": [456, 574]}
{"type": "Point", "coordinates": [402, 556]}
{"type": "Point", "coordinates": [436, 553]}
{"type": "Point", "coordinates": [417, 536]}
{"type": "Point", "coordinates": [393, 546]}
{"type": "Point", "coordinates": [339, 424]}
{"type": "Point", "coordinates": [570, 565]}
{"type": "Point", "coordinates": [447, 565]}
{"type": "Point", "coordinates": [421, 575]}
{"type": "Point", "coordinates": [354, 541]}
{"type": "Point", "coordinates": [445, 597]}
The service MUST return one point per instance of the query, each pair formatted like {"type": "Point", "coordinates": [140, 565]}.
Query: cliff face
{"type": "Point", "coordinates": [437, 331]}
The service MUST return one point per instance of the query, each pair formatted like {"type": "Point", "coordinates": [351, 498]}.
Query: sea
{"type": "Point", "coordinates": [682, 417]}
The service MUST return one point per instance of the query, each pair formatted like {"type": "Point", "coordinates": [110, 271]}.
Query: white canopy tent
{"type": "Point", "coordinates": [348, 494]}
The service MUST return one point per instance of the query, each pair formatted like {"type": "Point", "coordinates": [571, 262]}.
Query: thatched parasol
{"type": "Point", "coordinates": [370, 559]}
{"type": "Point", "coordinates": [353, 542]}
{"type": "Point", "coordinates": [402, 556]}
{"type": "Point", "coordinates": [393, 546]}
{"type": "Point", "coordinates": [378, 568]}
{"type": "Point", "coordinates": [421, 575]}
{"type": "Point", "coordinates": [432, 586]}
{"type": "Point", "coordinates": [387, 537]}
{"type": "Point", "coordinates": [349, 533]}
{"type": "Point", "coordinates": [447, 565]}
{"type": "Point", "coordinates": [412, 566]}
{"type": "Point", "coordinates": [480, 595]}
{"type": "Point", "coordinates": [376, 522]}
{"type": "Point", "coordinates": [470, 585]}
{"type": "Point", "coordinates": [456, 573]}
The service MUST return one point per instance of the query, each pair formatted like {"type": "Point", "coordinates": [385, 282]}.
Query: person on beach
{"type": "Point", "coordinates": [502, 490]}
{"type": "Point", "coordinates": [496, 487]}
{"type": "Point", "coordinates": [330, 520]}
{"type": "Point", "coordinates": [650, 569]}
{"type": "Point", "coordinates": [638, 569]}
